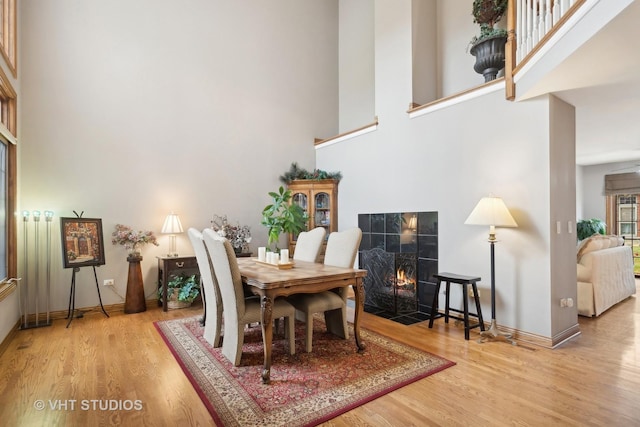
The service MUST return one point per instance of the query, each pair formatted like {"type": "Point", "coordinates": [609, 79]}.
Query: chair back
{"type": "Point", "coordinates": [308, 245]}
{"type": "Point", "coordinates": [342, 248]}
{"type": "Point", "coordinates": [211, 291]}
{"type": "Point", "coordinates": [227, 275]}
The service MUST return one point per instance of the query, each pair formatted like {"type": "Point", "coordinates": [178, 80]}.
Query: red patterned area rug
{"type": "Point", "coordinates": [307, 388]}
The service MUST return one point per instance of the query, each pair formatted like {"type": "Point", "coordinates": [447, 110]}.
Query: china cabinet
{"type": "Point", "coordinates": [319, 199]}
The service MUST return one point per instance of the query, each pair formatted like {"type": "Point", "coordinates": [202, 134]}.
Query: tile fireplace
{"type": "Point", "coordinates": [400, 252]}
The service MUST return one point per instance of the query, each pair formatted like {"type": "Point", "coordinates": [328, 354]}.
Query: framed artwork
{"type": "Point", "coordinates": [82, 242]}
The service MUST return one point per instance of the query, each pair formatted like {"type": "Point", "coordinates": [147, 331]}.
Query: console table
{"type": "Point", "coordinates": [174, 266]}
{"type": "Point", "coordinates": [169, 266]}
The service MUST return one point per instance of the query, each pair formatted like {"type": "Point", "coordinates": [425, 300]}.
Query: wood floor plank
{"type": "Point", "coordinates": [592, 380]}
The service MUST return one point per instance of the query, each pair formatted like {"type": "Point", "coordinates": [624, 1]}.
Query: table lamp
{"type": "Point", "coordinates": [172, 226]}
{"type": "Point", "coordinates": [493, 212]}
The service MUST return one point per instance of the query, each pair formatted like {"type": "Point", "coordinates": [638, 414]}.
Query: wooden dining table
{"type": "Point", "coordinates": [270, 282]}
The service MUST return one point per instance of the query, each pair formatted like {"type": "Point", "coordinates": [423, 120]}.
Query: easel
{"type": "Point", "coordinates": [72, 296]}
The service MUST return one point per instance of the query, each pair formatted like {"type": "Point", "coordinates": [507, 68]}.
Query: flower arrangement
{"type": "Point", "coordinates": [130, 239]}
{"type": "Point", "coordinates": [238, 235]}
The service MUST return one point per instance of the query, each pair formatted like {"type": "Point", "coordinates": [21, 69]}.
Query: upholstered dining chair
{"type": "Point", "coordinates": [210, 292]}
{"type": "Point", "coordinates": [238, 310]}
{"type": "Point", "coordinates": [342, 248]}
{"type": "Point", "coordinates": [308, 245]}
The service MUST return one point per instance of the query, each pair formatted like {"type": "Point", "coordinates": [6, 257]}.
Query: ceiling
{"type": "Point", "coordinates": [602, 80]}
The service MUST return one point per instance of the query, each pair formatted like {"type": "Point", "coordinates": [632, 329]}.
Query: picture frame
{"type": "Point", "coordinates": [82, 242]}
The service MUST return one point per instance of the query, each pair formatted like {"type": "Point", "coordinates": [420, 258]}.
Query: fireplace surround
{"type": "Point", "coordinates": [400, 252]}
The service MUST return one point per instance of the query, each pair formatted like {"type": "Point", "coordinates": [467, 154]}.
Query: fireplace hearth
{"type": "Point", "coordinates": [400, 253]}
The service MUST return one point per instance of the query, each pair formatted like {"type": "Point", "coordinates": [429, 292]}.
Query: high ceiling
{"type": "Point", "coordinates": [602, 80]}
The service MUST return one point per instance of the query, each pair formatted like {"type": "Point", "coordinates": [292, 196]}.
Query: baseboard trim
{"type": "Point", "coordinates": [12, 333]}
{"type": "Point", "coordinates": [62, 314]}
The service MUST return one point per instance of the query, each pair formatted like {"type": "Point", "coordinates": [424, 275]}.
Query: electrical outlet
{"type": "Point", "coordinates": [108, 282]}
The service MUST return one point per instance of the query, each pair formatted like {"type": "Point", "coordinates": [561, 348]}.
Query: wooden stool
{"type": "Point", "coordinates": [464, 281]}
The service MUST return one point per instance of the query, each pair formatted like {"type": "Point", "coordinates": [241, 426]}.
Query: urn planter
{"type": "Point", "coordinates": [490, 54]}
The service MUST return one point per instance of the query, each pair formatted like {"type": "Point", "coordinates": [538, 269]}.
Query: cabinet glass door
{"type": "Point", "coordinates": [322, 210]}
{"type": "Point", "coordinates": [300, 199]}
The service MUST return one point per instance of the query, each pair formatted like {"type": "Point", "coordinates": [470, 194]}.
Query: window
{"type": "Point", "coordinates": [622, 219]}
{"type": "Point", "coordinates": [8, 232]}
{"type": "Point", "coordinates": [8, 33]}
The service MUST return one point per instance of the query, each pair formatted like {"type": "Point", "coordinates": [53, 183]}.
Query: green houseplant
{"type": "Point", "coordinates": [182, 290]}
{"type": "Point", "coordinates": [282, 216]}
{"type": "Point", "coordinates": [489, 46]}
{"type": "Point", "coordinates": [589, 227]}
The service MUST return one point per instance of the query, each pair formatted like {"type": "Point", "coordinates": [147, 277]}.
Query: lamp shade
{"type": "Point", "coordinates": [491, 211]}
{"type": "Point", "coordinates": [172, 224]}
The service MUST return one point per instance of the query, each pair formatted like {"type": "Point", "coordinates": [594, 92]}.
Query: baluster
{"type": "Point", "coordinates": [529, 26]}
{"type": "Point", "coordinates": [519, 30]}
{"type": "Point", "coordinates": [548, 19]}
{"type": "Point", "coordinates": [556, 11]}
{"type": "Point", "coordinates": [541, 20]}
{"type": "Point", "coordinates": [564, 7]}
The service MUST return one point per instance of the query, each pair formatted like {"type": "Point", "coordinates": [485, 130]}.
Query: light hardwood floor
{"type": "Point", "coordinates": [593, 380]}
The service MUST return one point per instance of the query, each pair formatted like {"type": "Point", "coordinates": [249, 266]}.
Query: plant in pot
{"type": "Point", "coordinates": [489, 46]}
{"type": "Point", "coordinates": [182, 290]}
{"type": "Point", "coordinates": [282, 216]}
{"type": "Point", "coordinates": [589, 227]}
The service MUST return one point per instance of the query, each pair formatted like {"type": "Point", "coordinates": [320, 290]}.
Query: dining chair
{"type": "Point", "coordinates": [308, 245]}
{"type": "Point", "coordinates": [239, 310]}
{"type": "Point", "coordinates": [210, 292]}
{"type": "Point", "coordinates": [342, 248]}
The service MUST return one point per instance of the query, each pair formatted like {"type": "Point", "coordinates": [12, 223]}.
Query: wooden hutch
{"type": "Point", "coordinates": [319, 199]}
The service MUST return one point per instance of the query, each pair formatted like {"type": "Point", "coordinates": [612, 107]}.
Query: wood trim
{"type": "Point", "coordinates": [96, 309]}
{"type": "Point", "coordinates": [8, 42]}
{"type": "Point", "coordinates": [10, 336]}
{"type": "Point", "coordinates": [413, 107]}
{"type": "Point", "coordinates": [342, 135]}
{"type": "Point", "coordinates": [510, 52]}
{"type": "Point", "coordinates": [7, 289]}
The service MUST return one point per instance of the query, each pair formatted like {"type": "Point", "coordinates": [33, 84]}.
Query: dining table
{"type": "Point", "coordinates": [272, 281]}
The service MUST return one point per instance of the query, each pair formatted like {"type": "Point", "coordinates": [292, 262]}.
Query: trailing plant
{"type": "Point", "coordinates": [589, 227]}
{"type": "Point", "coordinates": [296, 172]}
{"type": "Point", "coordinates": [188, 287]}
{"type": "Point", "coordinates": [487, 13]}
{"type": "Point", "coordinates": [282, 216]}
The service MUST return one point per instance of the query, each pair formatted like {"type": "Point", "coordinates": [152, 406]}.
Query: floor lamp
{"type": "Point", "coordinates": [493, 212]}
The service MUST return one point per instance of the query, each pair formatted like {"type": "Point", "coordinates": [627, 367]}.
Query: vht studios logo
{"type": "Point", "coordinates": [88, 405]}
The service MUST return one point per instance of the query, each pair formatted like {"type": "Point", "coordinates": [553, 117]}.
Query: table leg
{"type": "Point", "coordinates": [267, 336]}
{"type": "Point", "coordinates": [359, 294]}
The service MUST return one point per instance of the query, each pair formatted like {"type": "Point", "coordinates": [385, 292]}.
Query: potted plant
{"type": "Point", "coordinates": [489, 46]}
{"type": "Point", "coordinates": [589, 227]}
{"type": "Point", "coordinates": [282, 216]}
{"type": "Point", "coordinates": [182, 290]}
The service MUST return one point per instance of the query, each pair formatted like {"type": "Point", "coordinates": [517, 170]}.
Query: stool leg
{"type": "Point", "coordinates": [434, 304]}
{"type": "Point", "coordinates": [446, 304]}
{"type": "Point", "coordinates": [478, 309]}
{"type": "Point", "coordinates": [465, 304]}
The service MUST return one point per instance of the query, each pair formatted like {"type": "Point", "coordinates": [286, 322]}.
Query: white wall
{"type": "Point", "coordinates": [357, 72]}
{"type": "Point", "coordinates": [134, 109]}
{"type": "Point", "coordinates": [446, 161]}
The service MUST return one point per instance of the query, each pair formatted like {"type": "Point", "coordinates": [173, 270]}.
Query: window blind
{"type": "Point", "coordinates": [622, 183]}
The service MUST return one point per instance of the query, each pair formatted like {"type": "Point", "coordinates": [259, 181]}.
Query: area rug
{"type": "Point", "coordinates": [307, 388]}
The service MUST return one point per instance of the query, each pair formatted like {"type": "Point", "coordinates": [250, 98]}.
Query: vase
{"type": "Point", "coordinates": [135, 298]}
